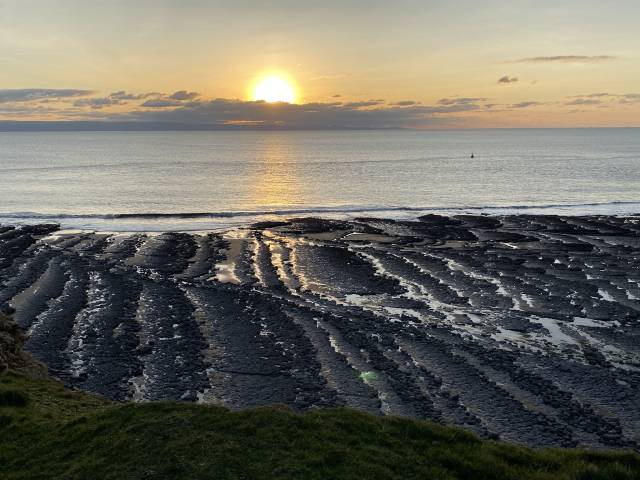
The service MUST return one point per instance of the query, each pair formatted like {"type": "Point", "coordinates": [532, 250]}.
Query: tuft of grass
{"type": "Point", "coordinates": [74, 435]}
{"type": "Point", "coordinates": [13, 398]}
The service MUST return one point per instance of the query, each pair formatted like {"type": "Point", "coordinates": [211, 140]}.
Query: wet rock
{"type": "Point", "coordinates": [526, 326]}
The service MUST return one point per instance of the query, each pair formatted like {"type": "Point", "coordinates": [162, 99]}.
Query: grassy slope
{"type": "Point", "coordinates": [72, 435]}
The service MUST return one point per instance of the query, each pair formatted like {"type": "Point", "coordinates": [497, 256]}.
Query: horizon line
{"type": "Point", "coordinates": [8, 126]}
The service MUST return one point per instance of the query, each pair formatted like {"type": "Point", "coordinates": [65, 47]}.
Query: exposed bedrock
{"type": "Point", "coordinates": [524, 328]}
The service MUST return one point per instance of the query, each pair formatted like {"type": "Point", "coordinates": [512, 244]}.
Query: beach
{"type": "Point", "coordinates": [518, 327]}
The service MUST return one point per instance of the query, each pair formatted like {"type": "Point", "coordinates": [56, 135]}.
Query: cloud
{"type": "Point", "coordinates": [32, 94]}
{"type": "Point", "coordinates": [124, 96]}
{"type": "Point", "coordinates": [188, 110]}
{"type": "Point", "coordinates": [368, 103]}
{"type": "Point", "coordinates": [590, 99]}
{"type": "Point", "coordinates": [329, 77]}
{"type": "Point", "coordinates": [507, 79]}
{"type": "Point", "coordinates": [595, 95]}
{"type": "Point", "coordinates": [226, 112]}
{"type": "Point", "coordinates": [337, 95]}
{"type": "Point", "coordinates": [184, 107]}
{"type": "Point", "coordinates": [525, 104]}
{"type": "Point", "coordinates": [629, 98]}
{"type": "Point", "coordinates": [461, 100]}
{"type": "Point", "coordinates": [162, 103]}
{"type": "Point", "coordinates": [184, 95]}
{"type": "Point", "coordinates": [584, 101]}
{"type": "Point", "coordinates": [568, 59]}
{"type": "Point", "coordinates": [97, 103]}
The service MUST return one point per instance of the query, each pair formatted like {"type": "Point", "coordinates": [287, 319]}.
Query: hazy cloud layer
{"type": "Point", "coordinates": [461, 100]}
{"type": "Point", "coordinates": [526, 104]}
{"type": "Point", "coordinates": [584, 101]}
{"type": "Point", "coordinates": [188, 109]}
{"type": "Point", "coordinates": [184, 95]}
{"type": "Point", "coordinates": [375, 113]}
{"type": "Point", "coordinates": [602, 97]}
{"type": "Point", "coordinates": [97, 103]}
{"type": "Point", "coordinates": [31, 94]}
{"type": "Point", "coordinates": [406, 103]}
{"type": "Point", "coordinates": [507, 79]}
{"type": "Point", "coordinates": [568, 59]}
{"type": "Point", "coordinates": [124, 96]}
{"type": "Point", "coordinates": [161, 103]}
{"type": "Point", "coordinates": [368, 103]}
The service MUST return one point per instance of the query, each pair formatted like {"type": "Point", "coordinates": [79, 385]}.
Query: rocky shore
{"type": "Point", "coordinates": [524, 328]}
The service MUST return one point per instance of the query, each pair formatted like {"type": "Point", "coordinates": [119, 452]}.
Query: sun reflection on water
{"type": "Point", "coordinates": [276, 182]}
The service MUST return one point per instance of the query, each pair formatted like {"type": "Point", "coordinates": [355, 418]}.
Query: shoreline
{"type": "Point", "coordinates": [523, 327]}
{"type": "Point", "coordinates": [193, 222]}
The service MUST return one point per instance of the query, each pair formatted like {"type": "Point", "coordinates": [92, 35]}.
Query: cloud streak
{"type": "Point", "coordinates": [461, 100]}
{"type": "Point", "coordinates": [584, 101]}
{"type": "Point", "coordinates": [568, 59]}
{"type": "Point", "coordinates": [507, 79]}
{"type": "Point", "coordinates": [32, 94]}
{"type": "Point", "coordinates": [600, 97]}
{"type": "Point", "coordinates": [184, 95]}
{"type": "Point", "coordinates": [525, 105]}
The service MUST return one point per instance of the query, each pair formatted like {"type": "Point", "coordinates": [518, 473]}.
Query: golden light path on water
{"type": "Point", "coordinates": [276, 183]}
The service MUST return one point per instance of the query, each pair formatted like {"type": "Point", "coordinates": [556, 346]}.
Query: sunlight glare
{"type": "Point", "coordinates": [274, 88]}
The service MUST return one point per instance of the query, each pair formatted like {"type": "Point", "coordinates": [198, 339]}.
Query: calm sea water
{"type": "Point", "coordinates": [202, 180]}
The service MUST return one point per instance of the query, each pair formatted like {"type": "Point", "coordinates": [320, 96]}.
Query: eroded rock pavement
{"type": "Point", "coordinates": [524, 328]}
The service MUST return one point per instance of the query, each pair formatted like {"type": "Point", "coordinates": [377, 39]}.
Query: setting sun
{"type": "Point", "coordinates": [274, 88]}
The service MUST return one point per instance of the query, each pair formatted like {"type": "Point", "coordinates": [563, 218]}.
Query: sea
{"type": "Point", "coordinates": [216, 180]}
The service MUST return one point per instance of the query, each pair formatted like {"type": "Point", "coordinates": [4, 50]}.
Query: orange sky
{"type": "Point", "coordinates": [407, 63]}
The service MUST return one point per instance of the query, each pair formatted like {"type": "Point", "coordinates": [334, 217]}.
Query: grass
{"type": "Point", "coordinates": [48, 432]}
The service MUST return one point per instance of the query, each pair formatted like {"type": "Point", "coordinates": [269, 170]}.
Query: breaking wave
{"type": "Point", "coordinates": [309, 211]}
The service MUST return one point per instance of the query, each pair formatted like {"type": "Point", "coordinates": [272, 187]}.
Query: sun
{"type": "Point", "coordinates": [274, 88]}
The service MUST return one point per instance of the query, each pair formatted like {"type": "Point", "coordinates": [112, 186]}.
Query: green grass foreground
{"type": "Point", "coordinates": [49, 432]}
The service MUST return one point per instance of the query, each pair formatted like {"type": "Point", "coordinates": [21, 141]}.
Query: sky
{"type": "Point", "coordinates": [354, 63]}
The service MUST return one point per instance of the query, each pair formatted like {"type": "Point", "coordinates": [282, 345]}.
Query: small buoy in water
{"type": "Point", "coordinates": [472, 155]}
